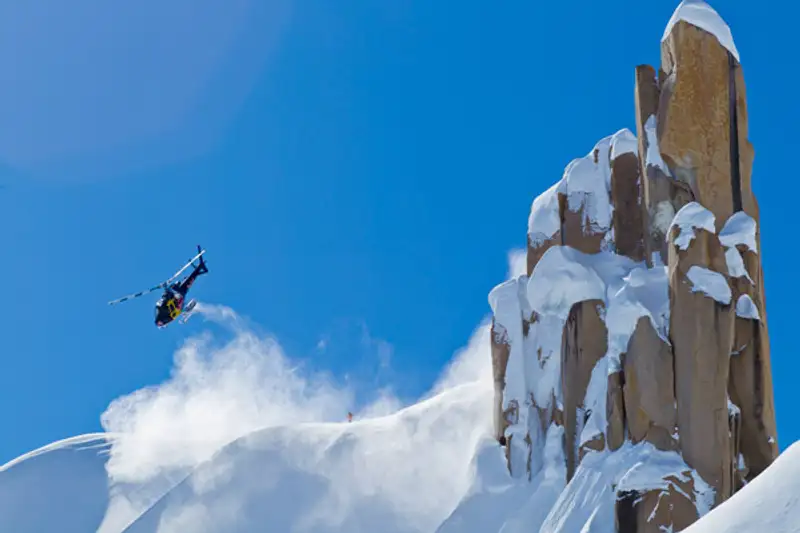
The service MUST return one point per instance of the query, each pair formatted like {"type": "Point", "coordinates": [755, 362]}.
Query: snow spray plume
{"type": "Point", "coordinates": [415, 464]}
{"type": "Point", "coordinates": [216, 393]}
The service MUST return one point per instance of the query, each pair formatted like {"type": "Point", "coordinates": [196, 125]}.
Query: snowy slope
{"type": "Point", "coordinates": [770, 503]}
{"type": "Point", "coordinates": [325, 477]}
{"type": "Point", "coordinates": [361, 477]}
{"type": "Point", "coordinates": [239, 435]}
{"type": "Point", "coordinates": [61, 487]}
{"type": "Point", "coordinates": [65, 486]}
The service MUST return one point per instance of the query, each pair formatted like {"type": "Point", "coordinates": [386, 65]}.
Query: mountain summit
{"type": "Point", "coordinates": [638, 335]}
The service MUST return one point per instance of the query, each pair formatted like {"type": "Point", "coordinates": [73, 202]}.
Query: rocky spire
{"type": "Point", "coordinates": [640, 327]}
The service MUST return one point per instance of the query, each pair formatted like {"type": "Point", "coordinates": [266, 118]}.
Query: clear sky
{"type": "Point", "coordinates": [357, 173]}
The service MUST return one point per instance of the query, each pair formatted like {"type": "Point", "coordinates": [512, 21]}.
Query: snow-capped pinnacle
{"type": "Point", "coordinates": [700, 14]}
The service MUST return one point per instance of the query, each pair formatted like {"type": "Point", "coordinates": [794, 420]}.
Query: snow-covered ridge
{"type": "Point", "coordinates": [586, 183]}
{"type": "Point", "coordinates": [702, 15]}
{"type": "Point", "coordinates": [370, 475]}
{"type": "Point", "coordinates": [79, 442]}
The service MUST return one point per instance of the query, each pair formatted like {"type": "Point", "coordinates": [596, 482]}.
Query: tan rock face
{"type": "Point", "coordinates": [649, 388]}
{"type": "Point", "coordinates": [654, 188]}
{"type": "Point", "coordinates": [626, 198]}
{"type": "Point", "coordinates": [750, 385]}
{"type": "Point", "coordinates": [584, 343]}
{"type": "Point", "coordinates": [615, 412]}
{"type": "Point", "coordinates": [751, 374]}
{"type": "Point", "coordinates": [695, 138]}
{"type": "Point", "coordinates": [751, 391]}
{"type": "Point", "coordinates": [536, 251]}
{"type": "Point", "coordinates": [702, 335]}
{"type": "Point", "coordinates": [578, 232]}
{"type": "Point", "coordinates": [694, 116]}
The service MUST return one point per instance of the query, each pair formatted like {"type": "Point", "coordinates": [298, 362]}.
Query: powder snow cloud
{"type": "Point", "coordinates": [220, 391]}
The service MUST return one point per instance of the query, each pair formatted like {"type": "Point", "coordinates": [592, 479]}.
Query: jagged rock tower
{"type": "Point", "coordinates": [637, 340]}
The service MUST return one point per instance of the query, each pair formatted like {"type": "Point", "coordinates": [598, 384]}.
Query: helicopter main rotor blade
{"type": "Point", "coordinates": [160, 285]}
{"type": "Point", "coordinates": [138, 294]}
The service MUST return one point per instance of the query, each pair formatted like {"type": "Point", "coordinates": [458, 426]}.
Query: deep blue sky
{"type": "Point", "coordinates": [367, 165]}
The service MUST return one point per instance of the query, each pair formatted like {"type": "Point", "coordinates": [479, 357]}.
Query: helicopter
{"type": "Point", "coordinates": [172, 303]}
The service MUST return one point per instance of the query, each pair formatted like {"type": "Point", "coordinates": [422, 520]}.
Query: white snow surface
{"type": "Point", "coordinates": [736, 267]}
{"type": "Point", "coordinates": [595, 402]}
{"type": "Point", "coordinates": [504, 302]}
{"type": "Point", "coordinates": [507, 307]}
{"type": "Point", "coordinates": [544, 220]}
{"type": "Point", "coordinates": [769, 503]}
{"type": "Point", "coordinates": [702, 15]}
{"type": "Point", "coordinates": [624, 142]}
{"type": "Point", "coordinates": [740, 228]}
{"type": "Point", "coordinates": [400, 472]}
{"type": "Point", "coordinates": [712, 284]}
{"type": "Point", "coordinates": [587, 184]}
{"type": "Point", "coordinates": [497, 504]}
{"type": "Point", "coordinates": [565, 276]}
{"type": "Point", "coordinates": [746, 308]}
{"type": "Point", "coordinates": [690, 217]}
{"type": "Point", "coordinates": [653, 155]}
{"type": "Point", "coordinates": [59, 487]}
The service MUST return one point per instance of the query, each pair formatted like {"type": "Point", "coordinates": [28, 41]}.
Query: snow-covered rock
{"type": "Point", "coordinates": [700, 14]}
{"type": "Point", "coordinates": [691, 217]}
{"type": "Point", "coordinates": [710, 283]}
{"type": "Point", "coordinates": [610, 350]}
{"type": "Point", "coordinates": [739, 229]}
